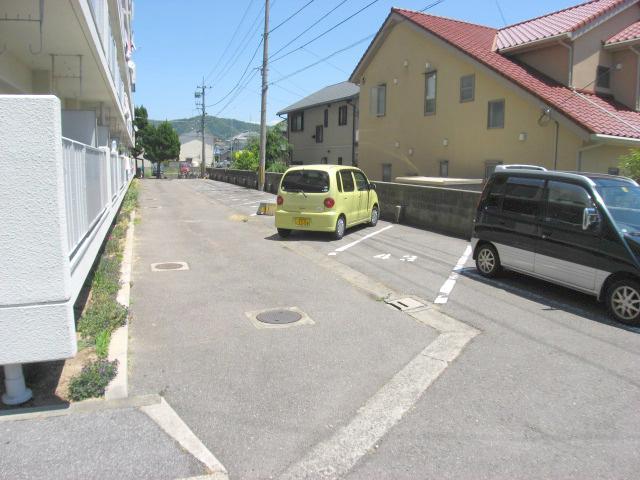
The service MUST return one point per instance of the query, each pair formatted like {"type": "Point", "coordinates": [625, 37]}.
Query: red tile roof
{"type": "Point", "coordinates": [556, 23]}
{"type": "Point", "coordinates": [596, 114]}
{"type": "Point", "coordinates": [632, 32]}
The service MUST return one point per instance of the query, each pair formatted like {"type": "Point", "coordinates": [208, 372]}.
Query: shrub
{"type": "Point", "coordinates": [102, 343]}
{"type": "Point", "coordinates": [92, 380]}
{"type": "Point", "coordinates": [277, 167]}
{"type": "Point", "coordinates": [630, 164]}
{"type": "Point", "coordinates": [102, 314]}
{"type": "Point", "coordinates": [245, 160]}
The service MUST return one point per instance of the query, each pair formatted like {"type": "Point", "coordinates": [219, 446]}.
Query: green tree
{"type": "Point", "coordinates": [245, 160]}
{"type": "Point", "coordinates": [630, 164]}
{"type": "Point", "coordinates": [277, 152]}
{"type": "Point", "coordinates": [162, 144]}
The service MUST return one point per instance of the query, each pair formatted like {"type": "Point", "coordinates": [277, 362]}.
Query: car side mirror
{"type": "Point", "coordinates": [590, 218]}
{"type": "Point", "coordinates": [372, 186]}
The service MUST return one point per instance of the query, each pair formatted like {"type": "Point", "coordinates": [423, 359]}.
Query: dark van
{"type": "Point", "coordinates": [579, 230]}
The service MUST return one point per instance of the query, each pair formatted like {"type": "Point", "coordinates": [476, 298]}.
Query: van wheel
{"type": "Point", "coordinates": [375, 215]}
{"type": "Point", "coordinates": [623, 300]}
{"type": "Point", "coordinates": [284, 232]}
{"type": "Point", "coordinates": [341, 226]}
{"type": "Point", "coordinates": [488, 261]}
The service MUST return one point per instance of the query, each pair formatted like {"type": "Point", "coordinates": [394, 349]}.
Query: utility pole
{"type": "Point", "coordinates": [200, 94]}
{"type": "Point", "coordinates": [263, 108]}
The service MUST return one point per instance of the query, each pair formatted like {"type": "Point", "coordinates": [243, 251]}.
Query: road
{"type": "Point", "coordinates": [546, 386]}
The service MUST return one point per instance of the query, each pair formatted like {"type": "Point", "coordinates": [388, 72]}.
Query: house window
{"type": "Point", "coordinates": [444, 168]}
{"type": "Point", "coordinates": [603, 80]}
{"type": "Point", "coordinates": [342, 115]}
{"type": "Point", "coordinates": [430, 93]}
{"type": "Point", "coordinates": [319, 132]}
{"type": "Point", "coordinates": [323, 160]}
{"type": "Point", "coordinates": [490, 167]}
{"type": "Point", "coordinates": [326, 117]}
{"type": "Point", "coordinates": [386, 172]}
{"type": "Point", "coordinates": [467, 88]}
{"type": "Point", "coordinates": [339, 160]}
{"type": "Point", "coordinates": [378, 100]}
{"type": "Point", "coordinates": [495, 117]}
{"type": "Point", "coordinates": [297, 122]}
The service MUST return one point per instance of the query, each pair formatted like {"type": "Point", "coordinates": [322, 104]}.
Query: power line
{"type": "Point", "coordinates": [325, 32]}
{"type": "Point", "coordinates": [246, 68]}
{"type": "Point", "coordinates": [296, 37]}
{"type": "Point", "coordinates": [226, 49]}
{"type": "Point", "coordinates": [328, 63]}
{"type": "Point", "coordinates": [504, 20]}
{"type": "Point", "coordinates": [291, 16]}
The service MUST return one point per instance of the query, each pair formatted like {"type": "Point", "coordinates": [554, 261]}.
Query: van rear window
{"type": "Point", "coordinates": [310, 181]}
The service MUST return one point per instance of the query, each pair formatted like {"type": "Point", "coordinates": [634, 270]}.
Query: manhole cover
{"type": "Point", "coordinates": [278, 317]}
{"type": "Point", "coordinates": [164, 266]}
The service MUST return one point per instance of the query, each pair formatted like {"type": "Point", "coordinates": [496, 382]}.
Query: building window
{"type": "Point", "coordinates": [444, 168]}
{"type": "Point", "coordinates": [495, 117]}
{"type": "Point", "coordinates": [339, 160]}
{"type": "Point", "coordinates": [342, 115]}
{"type": "Point", "coordinates": [430, 93]}
{"type": "Point", "coordinates": [326, 117]}
{"type": "Point", "coordinates": [386, 172]}
{"type": "Point", "coordinates": [603, 79]}
{"type": "Point", "coordinates": [490, 167]}
{"type": "Point", "coordinates": [319, 132]}
{"type": "Point", "coordinates": [297, 122]}
{"type": "Point", "coordinates": [378, 100]}
{"type": "Point", "coordinates": [467, 88]}
{"type": "Point", "coordinates": [323, 160]}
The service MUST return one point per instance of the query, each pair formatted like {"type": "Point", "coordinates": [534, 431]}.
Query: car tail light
{"type": "Point", "coordinates": [280, 200]}
{"type": "Point", "coordinates": [329, 202]}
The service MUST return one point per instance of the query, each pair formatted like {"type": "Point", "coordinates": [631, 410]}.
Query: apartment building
{"type": "Point", "coordinates": [191, 148]}
{"type": "Point", "coordinates": [322, 128]}
{"type": "Point", "coordinates": [66, 122]}
{"type": "Point", "coordinates": [445, 98]}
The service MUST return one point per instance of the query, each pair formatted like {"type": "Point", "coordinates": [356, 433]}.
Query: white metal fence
{"type": "Point", "coordinates": [93, 179]}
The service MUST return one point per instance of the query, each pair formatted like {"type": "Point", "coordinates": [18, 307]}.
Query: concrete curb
{"type": "Point", "coordinates": [119, 345]}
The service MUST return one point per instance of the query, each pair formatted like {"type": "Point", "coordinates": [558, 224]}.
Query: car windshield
{"type": "Point", "coordinates": [308, 181]}
{"type": "Point", "coordinates": [622, 199]}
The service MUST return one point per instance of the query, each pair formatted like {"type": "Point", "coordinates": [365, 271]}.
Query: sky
{"type": "Point", "coordinates": [178, 42]}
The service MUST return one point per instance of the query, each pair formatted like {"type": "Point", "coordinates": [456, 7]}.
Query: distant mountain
{"type": "Point", "coordinates": [222, 128]}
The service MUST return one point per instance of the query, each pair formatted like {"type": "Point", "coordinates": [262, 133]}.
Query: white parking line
{"type": "Point", "coordinates": [447, 287]}
{"type": "Point", "coordinates": [342, 249]}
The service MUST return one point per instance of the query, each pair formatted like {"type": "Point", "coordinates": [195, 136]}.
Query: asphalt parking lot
{"type": "Point", "coordinates": [548, 387]}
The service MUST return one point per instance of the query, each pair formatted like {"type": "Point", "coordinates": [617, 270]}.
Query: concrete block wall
{"type": "Point", "coordinates": [446, 210]}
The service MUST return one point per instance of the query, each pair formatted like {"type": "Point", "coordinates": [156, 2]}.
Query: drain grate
{"type": "Point", "coordinates": [278, 317]}
{"type": "Point", "coordinates": [403, 304]}
{"type": "Point", "coordinates": [165, 266]}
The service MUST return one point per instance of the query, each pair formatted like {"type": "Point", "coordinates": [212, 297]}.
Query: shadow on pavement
{"type": "Point", "coordinates": [554, 297]}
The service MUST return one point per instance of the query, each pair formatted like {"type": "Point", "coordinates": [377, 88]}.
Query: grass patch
{"type": "Point", "coordinates": [92, 381]}
{"type": "Point", "coordinates": [103, 313]}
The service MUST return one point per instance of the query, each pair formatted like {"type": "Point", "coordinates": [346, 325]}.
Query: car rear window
{"type": "Point", "coordinates": [310, 181]}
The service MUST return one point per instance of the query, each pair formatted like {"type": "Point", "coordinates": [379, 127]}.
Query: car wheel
{"type": "Point", "coordinates": [284, 232]}
{"type": "Point", "coordinates": [375, 215]}
{"type": "Point", "coordinates": [488, 261]}
{"type": "Point", "coordinates": [623, 299]}
{"type": "Point", "coordinates": [341, 226]}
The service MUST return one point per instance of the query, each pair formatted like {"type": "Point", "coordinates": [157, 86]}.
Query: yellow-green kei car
{"type": "Point", "coordinates": [325, 198]}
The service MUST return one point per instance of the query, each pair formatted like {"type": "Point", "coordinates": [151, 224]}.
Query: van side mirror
{"type": "Point", "coordinates": [372, 186]}
{"type": "Point", "coordinates": [590, 218]}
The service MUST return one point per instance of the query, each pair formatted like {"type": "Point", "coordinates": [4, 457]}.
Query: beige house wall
{"type": "Point", "coordinates": [593, 159]}
{"type": "Point", "coordinates": [193, 149]}
{"type": "Point", "coordinates": [553, 60]}
{"type": "Point", "coordinates": [624, 82]}
{"type": "Point", "coordinates": [337, 139]}
{"type": "Point", "coordinates": [588, 52]}
{"type": "Point", "coordinates": [414, 143]}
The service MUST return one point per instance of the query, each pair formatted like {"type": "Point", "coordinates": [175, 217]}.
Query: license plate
{"type": "Point", "coordinates": [303, 221]}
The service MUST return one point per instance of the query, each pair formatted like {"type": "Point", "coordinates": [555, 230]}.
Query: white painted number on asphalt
{"type": "Point", "coordinates": [408, 258]}
{"type": "Point", "coordinates": [383, 256]}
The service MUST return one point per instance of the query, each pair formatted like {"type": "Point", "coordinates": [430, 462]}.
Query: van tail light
{"type": "Point", "coordinates": [280, 200]}
{"type": "Point", "coordinates": [329, 202]}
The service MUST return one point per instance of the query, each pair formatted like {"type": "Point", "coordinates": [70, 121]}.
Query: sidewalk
{"type": "Point", "coordinates": [93, 439]}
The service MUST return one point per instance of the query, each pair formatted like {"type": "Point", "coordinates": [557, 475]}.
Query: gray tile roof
{"type": "Point", "coordinates": [332, 93]}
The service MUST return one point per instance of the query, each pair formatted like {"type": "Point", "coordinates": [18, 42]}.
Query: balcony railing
{"type": "Point", "coordinates": [93, 179]}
